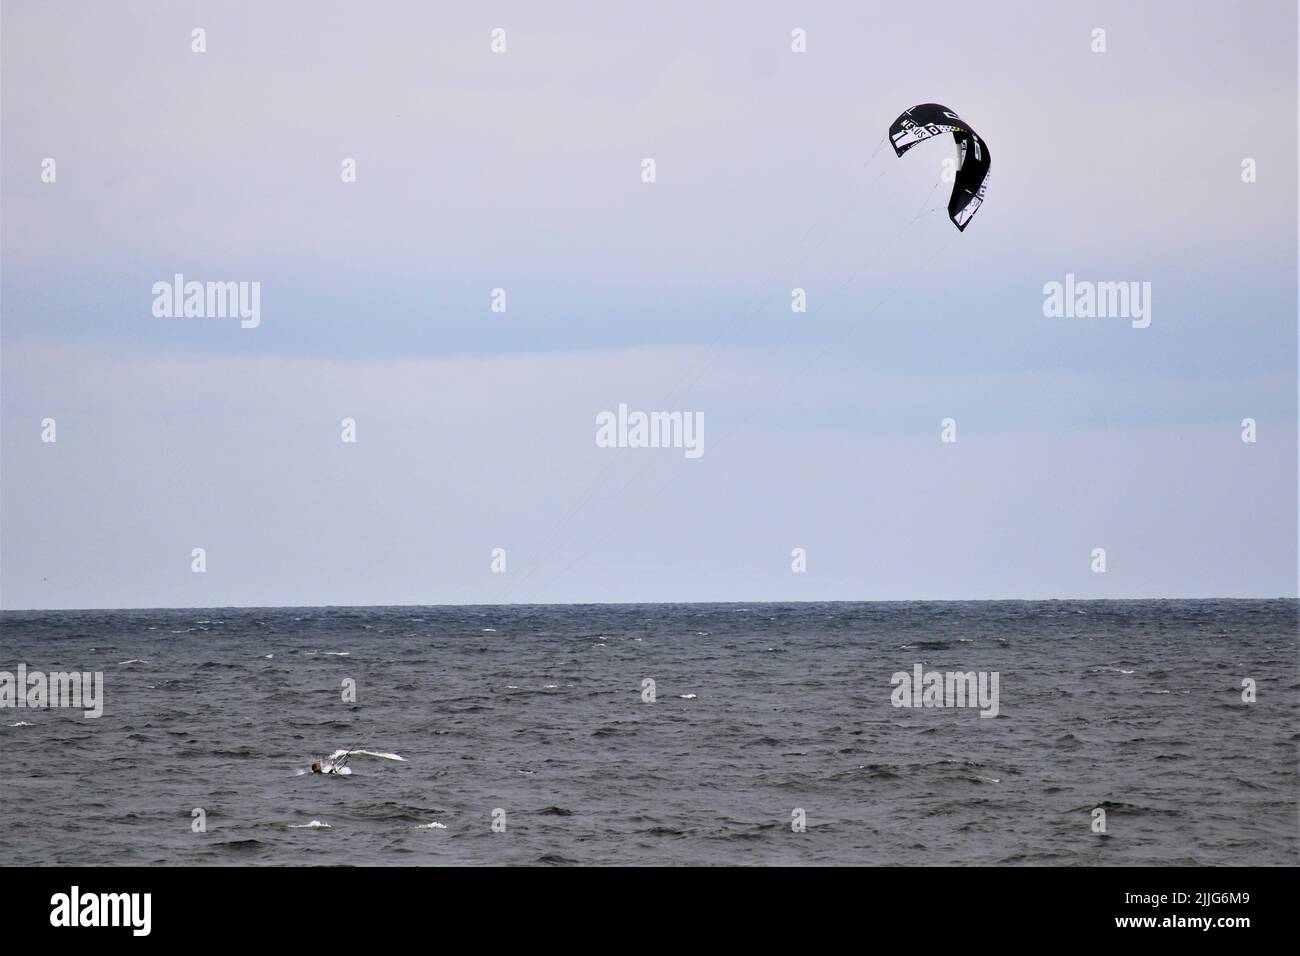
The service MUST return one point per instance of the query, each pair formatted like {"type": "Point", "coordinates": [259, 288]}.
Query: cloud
{"type": "Point", "coordinates": [241, 455]}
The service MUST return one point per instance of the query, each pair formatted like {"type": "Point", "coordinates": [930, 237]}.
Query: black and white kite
{"type": "Point", "coordinates": [929, 120]}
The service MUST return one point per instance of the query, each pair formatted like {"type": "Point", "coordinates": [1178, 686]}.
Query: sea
{"type": "Point", "coordinates": [1109, 733]}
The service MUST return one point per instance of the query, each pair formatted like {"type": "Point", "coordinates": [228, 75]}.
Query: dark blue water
{"type": "Point", "coordinates": [1133, 707]}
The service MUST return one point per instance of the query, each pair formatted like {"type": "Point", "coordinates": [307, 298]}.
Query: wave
{"type": "Point", "coordinates": [1128, 809]}
{"type": "Point", "coordinates": [240, 845]}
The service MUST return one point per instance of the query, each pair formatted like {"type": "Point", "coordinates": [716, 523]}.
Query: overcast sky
{"type": "Point", "coordinates": [522, 170]}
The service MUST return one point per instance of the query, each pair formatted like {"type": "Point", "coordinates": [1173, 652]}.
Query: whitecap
{"type": "Point", "coordinates": [688, 696]}
{"type": "Point", "coordinates": [314, 825]}
{"type": "Point", "coordinates": [364, 753]}
{"type": "Point", "coordinates": [435, 825]}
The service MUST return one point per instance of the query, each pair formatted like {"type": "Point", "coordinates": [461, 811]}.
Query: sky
{"type": "Point", "coordinates": [522, 170]}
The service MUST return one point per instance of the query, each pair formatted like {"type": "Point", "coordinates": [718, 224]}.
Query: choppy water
{"type": "Point", "coordinates": [1134, 707]}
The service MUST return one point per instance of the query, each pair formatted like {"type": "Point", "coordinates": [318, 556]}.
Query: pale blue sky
{"type": "Point", "coordinates": [521, 170]}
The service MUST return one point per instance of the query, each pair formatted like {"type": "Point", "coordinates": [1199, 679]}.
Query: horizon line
{"type": "Point", "coordinates": [561, 604]}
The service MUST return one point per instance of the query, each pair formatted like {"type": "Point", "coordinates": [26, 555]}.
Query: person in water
{"type": "Point", "coordinates": [332, 765]}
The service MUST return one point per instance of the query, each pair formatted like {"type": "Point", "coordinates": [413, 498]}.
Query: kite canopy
{"type": "Point", "coordinates": [929, 120]}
